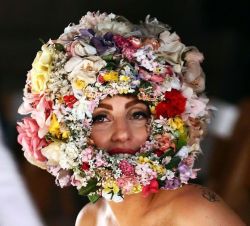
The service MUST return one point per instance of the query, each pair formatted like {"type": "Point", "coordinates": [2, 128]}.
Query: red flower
{"type": "Point", "coordinates": [100, 79]}
{"type": "Point", "coordinates": [69, 100]}
{"type": "Point", "coordinates": [153, 187]}
{"type": "Point", "coordinates": [158, 152]}
{"type": "Point", "coordinates": [85, 166]}
{"type": "Point", "coordinates": [127, 46]}
{"type": "Point", "coordinates": [173, 105]}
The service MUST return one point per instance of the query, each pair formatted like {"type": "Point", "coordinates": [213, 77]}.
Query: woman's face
{"type": "Point", "coordinates": [120, 124]}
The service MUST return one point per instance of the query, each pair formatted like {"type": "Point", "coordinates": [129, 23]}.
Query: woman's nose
{"type": "Point", "coordinates": [121, 131]}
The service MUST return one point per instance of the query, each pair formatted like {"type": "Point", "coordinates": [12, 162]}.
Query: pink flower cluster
{"type": "Point", "coordinates": [28, 138]}
{"type": "Point", "coordinates": [126, 168]}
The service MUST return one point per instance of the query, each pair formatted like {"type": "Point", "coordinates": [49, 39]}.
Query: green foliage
{"type": "Point", "coordinates": [59, 47]}
{"type": "Point", "coordinates": [91, 187]}
{"type": "Point", "coordinates": [173, 163]}
{"type": "Point", "coordinates": [93, 197]}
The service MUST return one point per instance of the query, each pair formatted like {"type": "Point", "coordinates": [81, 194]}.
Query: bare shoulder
{"type": "Point", "coordinates": [197, 204]}
{"type": "Point", "coordinates": [87, 215]}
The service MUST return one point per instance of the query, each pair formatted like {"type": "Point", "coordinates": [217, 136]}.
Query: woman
{"type": "Point", "coordinates": [117, 110]}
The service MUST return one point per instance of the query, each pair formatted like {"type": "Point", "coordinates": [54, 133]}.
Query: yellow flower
{"type": "Point", "coordinates": [65, 134]}
{"type": "Point", "coordinates": [111, 186]}
{"type": "Point", "coordinates": [158, 168]}
{"type": "Point", "coordinates": [152, 110]}
{"type": "Point", "coordinates": [158, 70]}
{"type": "Point", "coordinates": [38, 81]}
{"type": "Point", "coordinates": [110, 76]}
{"type": "Point", "coordinates": [136, 189]}
{"type": "Point", "coordinates": [79, 84]}
{"type": "Point", "coordinates": [124, 78]}
{"type": "Point", "coordinates": [54, 127]}
{"type": "Point", "coordinates": [143, 159]}
{"type": "Point", "coordinates": [41, 68]}
{"type": "Point", "coordinates": [177, 124]}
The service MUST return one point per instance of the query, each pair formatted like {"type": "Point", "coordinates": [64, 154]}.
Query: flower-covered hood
{"type": "Point", "coordinates": [106, 55]}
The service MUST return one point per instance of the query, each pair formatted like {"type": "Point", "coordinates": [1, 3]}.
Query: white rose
{"type": "Point", "coordinates": [114, 27]}
{"type": "Point", "coordinates": [79, 48]}
{"type": "Point", "coordinates": [84, 69]}
{"type": "Point", "coordinates": [53, 153]}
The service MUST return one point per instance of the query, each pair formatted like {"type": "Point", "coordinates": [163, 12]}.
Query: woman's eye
{"type": "Point", "coordinates": [140, 115]}
{"type": "Point", "coordinates": [99, 118]}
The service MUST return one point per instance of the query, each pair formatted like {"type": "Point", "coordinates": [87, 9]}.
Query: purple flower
{"type": "Point", "coordinates": [186, 173]}
{"type": "Point", "coordinates": [63, 178]}
{"type": "Point", "coordinates": [172, 184]}
{"type": "Point", "coordinates": [86, 33]}
{"type": "Point", "coordinates": [98, 43]}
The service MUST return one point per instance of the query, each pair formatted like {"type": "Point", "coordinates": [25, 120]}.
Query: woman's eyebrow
{"type": "Point", "coordinates": [133, 102]}
{"type": "Point", "coordinates": [107, 106]}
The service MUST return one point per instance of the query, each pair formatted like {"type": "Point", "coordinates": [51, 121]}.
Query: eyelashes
{"type": "Point", "coordinates": [140, 115]}
{"type": "Point", "coordinates": [136, 115]}
{"type": "Point", "coordinates": [99, 118]}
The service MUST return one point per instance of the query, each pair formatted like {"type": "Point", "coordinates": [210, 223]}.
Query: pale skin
{"type": "Point", "coordinates": [120, 123]}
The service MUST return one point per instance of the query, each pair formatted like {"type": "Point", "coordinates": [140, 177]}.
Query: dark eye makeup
{"type": "Point", "coordinates": [140, 115]}
{"type": "Point", "coordinates": [99, 118]}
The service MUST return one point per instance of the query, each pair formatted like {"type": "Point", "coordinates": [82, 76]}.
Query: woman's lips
{"type": "Point", "coordinates": [114, 151]}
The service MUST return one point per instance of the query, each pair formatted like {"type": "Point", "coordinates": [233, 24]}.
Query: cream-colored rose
{"type": "Point", "coordinates": [79, 48]}
{"type": "Point", "coordinates": [38, 81]}
{"type": "Point", "coordinates": [41, 68]}
{"type": "Point", "coordinates": [171, 49]}
{"type": "Point", "coordinates": [84, 70]}
{"type": "Point", "coordinates": [53, 153]}
{"type": "Point", "coordinates": [114, 27]}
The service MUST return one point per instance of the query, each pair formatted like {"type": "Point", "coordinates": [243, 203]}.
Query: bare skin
{"type": "Point", "coordinates": [120, 123]}
{"type": "Point", "coordinates": [189, 205]}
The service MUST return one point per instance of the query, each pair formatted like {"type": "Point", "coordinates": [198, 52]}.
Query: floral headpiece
{"type": "Point", "coordinates": [106, 55]}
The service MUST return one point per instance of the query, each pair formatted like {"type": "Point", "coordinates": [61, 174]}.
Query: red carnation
{"type": "Point", "coordinates": [69, 100]}
{"type": "Point", "coordinates": [173, 105]}
{"type": "Point", "coordinates": [85, 166]}
{"type": "Point", "coordinates": [153, 187]}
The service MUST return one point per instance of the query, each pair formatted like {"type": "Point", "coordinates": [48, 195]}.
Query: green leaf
{"type": "Point", "coordinates": [59, 47]}
{"type": "Point", "coordinates": [173, 163]}
{"type": "Point", "coordinates": [145, 84]}
{"type": "Point", "coordinates": [182, 140]}
{"type": "Point", "coordinates": [91, 187]}
{"type": "Point", "coordinates": [169, 152]}
{"type": "Point", "coordinates": [93, 197]}
{"type": "Point", "coordinates": [180, 143]}
{"type": "Point", "coordinates": [41, 40]}
{"type": "Point", "coordinates": [108, 57]}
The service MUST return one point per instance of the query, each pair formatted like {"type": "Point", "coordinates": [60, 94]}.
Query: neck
{"type": "Point", "coordinates": [135, 206]}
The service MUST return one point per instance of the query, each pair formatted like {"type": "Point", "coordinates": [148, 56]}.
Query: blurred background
{"type": "Point", "coordinates": [220, 29]}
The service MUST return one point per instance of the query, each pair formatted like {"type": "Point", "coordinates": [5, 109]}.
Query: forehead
{"type": "Point", "coordinates": [121, 100]}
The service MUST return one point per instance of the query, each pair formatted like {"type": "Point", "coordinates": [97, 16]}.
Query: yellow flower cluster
{"type": "Point", "coordinates": [41, 68]}
{"type": "Point", "coordinates": [157, 168]}
{"type": "Point", "coordinates": [111, 186]}
{"type": "Point", "coordinates": [55, 129]}
{"type": "Point", "coordinates": [111, 76]}
{"type": "Point", "coordinates": [176, 124]}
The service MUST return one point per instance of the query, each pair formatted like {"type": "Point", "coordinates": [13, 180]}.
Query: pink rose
{"type": "Point", "coordinates": [28, 138]}
{"type": "Point", "coordinates": [42, 114]}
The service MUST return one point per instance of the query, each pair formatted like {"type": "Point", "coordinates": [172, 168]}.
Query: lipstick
{"type": "Point", "coordinates": [114, 151]}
